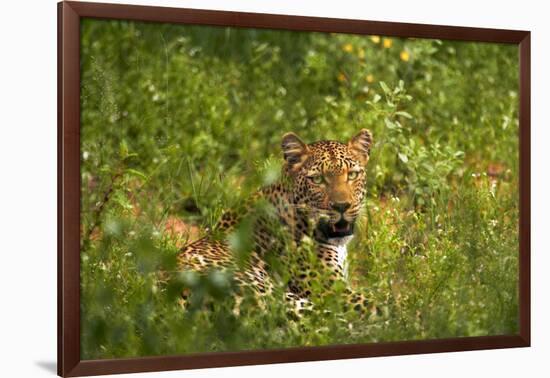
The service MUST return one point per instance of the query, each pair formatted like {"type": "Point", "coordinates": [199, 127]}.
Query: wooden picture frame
{"type": "Point", "coordinates": [69, 18]}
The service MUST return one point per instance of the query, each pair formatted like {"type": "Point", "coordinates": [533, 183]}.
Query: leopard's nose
{"type": "Point", "coordinates": [341, 207]}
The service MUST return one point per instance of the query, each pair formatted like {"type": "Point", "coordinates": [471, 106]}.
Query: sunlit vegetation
{"type": "Point", "coordinates": [181, 122]}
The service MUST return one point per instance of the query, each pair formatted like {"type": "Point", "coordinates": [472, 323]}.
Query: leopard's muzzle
{"type": "Point", "coordinates": [332, 230]}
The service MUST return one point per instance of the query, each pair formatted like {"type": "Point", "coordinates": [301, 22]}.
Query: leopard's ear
{"type": "Point", "coordinates": [360, 145]}
{"type": "Point", "coordinates": [294, 150]}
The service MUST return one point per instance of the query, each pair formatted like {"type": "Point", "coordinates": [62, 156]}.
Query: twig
{"type": "Point", "coordinates": [99, 209]}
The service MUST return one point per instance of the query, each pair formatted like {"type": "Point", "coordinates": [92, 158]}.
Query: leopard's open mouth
{"type": "Point", "coordinates": [339, 229]}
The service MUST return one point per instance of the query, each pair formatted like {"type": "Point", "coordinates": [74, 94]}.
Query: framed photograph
{"type": "Point", "coordinates": [239, 188]}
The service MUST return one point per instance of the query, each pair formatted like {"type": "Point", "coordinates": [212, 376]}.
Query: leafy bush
{"type": "Point", "coordinates": [181, 122]}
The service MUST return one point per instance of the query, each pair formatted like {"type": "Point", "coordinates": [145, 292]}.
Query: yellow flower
{"type": "Point", "coordinates": [387, 43]}
{"type": "Point", "coordinates": [405, 56]}
{"type": "Point", "coordinates": [375, 39]}
{"type": "Point", "coordinates": [341, 77]}
{"type": "Point", "coordinates": [348, 47]}
{"type": "Point", "coordinates": [361, 54]}
{"type": "Point", "coordinates": [370, 78]}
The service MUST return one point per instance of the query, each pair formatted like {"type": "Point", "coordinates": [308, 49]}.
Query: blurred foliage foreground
{"type": "Point", "coordinates": [181, 122]}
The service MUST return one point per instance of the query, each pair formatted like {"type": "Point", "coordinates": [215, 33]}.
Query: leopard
{"type": "Point", "coordinates": [316, 202]}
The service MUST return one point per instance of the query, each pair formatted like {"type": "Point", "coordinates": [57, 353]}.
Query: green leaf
{"type": "Point", "coordinates": [384, 87]}
{"type": "Point", "coordinates": [403, 157]}
{"type": "Point", "coordinates": [136, 173]}
{"type": "Point", "coordinates": [123, 149]}
{"type": "Point", "coordinates": [389, 124]}
{"type": "Point", "coordinates": [376, 98]}
{"type": "Point", "coordinates": [404, 114]}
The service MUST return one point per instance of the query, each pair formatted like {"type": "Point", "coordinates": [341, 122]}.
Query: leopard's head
{"type": "Point", "coordinates": [328, 180]}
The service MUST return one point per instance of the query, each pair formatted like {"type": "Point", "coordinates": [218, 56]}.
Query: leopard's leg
{"type": "Point", "coordinates": [335, 274]}
{"type": "Point", "coordinates": [253, 285]}
{"type": "Point", "coordinates": [183, 299]}
{"type": "Point", "coordinates": [237, 296]}
{"type": "Point", "coordinates": [243, 290]}
{"type": "Point", "coordinates": [359, 302]}
{"type": "Point", "coordinates": [356, 301]}
{"type": "Point", "coordinates": [297, 305]}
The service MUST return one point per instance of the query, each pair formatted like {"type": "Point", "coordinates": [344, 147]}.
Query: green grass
{"type": "Point", "coordinates": [181, 122]}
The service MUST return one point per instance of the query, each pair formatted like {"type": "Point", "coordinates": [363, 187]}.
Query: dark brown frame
{"type": "Point", "coordinates": [69, 15]}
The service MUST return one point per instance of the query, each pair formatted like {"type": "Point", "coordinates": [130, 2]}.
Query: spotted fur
{"type": "Point", "coordinates": [317, 202]}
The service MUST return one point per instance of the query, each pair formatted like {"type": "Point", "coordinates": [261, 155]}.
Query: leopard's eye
{"type": "Point", "coordinates": [317, 179]}
{"type": "Point", "coordinates": [352, 175]}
